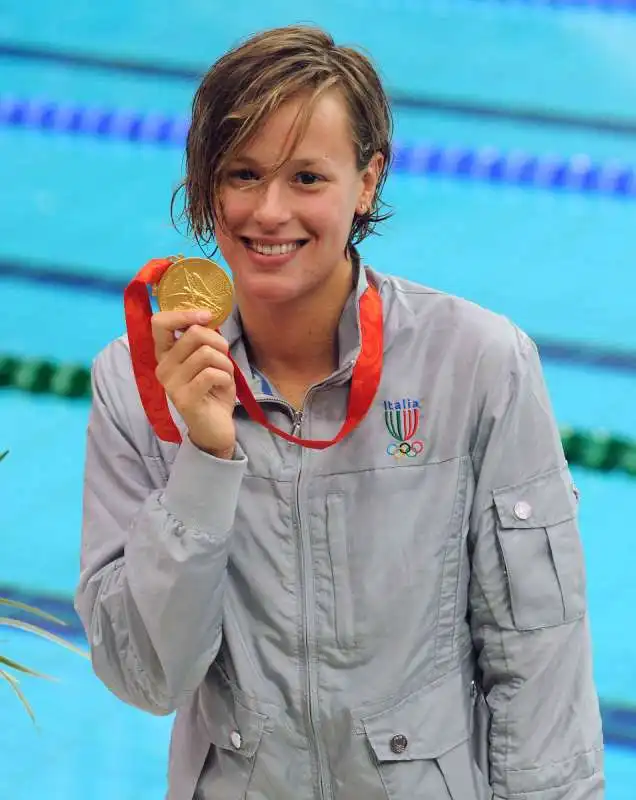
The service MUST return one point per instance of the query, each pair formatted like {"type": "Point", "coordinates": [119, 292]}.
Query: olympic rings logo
{"type": "Point", "coordinates": [405, 449]}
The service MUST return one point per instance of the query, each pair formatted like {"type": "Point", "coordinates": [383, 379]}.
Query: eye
{"type": "Point", "coordinates": [308, 178]}
{"type": "Point", "coordinates": [243, 174]}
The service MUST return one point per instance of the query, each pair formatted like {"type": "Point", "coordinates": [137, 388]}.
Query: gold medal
{"type": "Point", "coordinates": [190, 284]}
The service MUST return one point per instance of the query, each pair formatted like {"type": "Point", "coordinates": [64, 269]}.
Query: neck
{"type": "Point", "coordinates": [299, 340]}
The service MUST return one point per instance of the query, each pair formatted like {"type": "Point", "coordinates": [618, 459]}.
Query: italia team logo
{"type": "Point", "coordinates": [402, 419]}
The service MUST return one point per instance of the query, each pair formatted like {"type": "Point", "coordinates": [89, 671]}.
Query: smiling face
{"type": "Point", "coordinates": [284, 232]}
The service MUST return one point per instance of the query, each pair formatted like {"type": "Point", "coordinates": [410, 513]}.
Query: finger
{"type": "Point", "coordinates": [195, 337]}
{"type": "Point", "coordinates": [192, 340]}
{"type": "Point", "coordinates": [170, 367]}
{"type": "Point", "coordinates": [207, 382]}
{"type": "Point", "coordinates": [204, 357]}
{"type": "Point", "coordinates": [165, 324]}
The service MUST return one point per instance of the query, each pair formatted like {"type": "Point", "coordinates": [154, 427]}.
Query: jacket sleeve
{"type": "Point", "coordinates": [153, 561]}
{"type": "Point", "coordinates": [527, 598]}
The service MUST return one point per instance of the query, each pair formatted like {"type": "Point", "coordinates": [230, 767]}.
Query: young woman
{"type": "Point", "coordinates": [398, 616]}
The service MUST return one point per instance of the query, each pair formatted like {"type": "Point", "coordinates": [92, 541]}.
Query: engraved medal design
{"type": "Point", "coordinates": [190, 284]}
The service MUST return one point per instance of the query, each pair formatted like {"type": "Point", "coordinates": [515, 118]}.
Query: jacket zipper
{"type": "Point", "coordinates": [308, 616]}
{"type": "Point", "coordinates": [305, 567]}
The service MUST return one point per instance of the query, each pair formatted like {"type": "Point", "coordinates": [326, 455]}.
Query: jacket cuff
{"type": "Point", "coordinates": [202, 490]}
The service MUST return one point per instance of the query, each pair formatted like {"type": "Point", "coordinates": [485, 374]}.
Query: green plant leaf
{"type": "Point", "coordinates": [26, 626]}
{"type": "Point", "coordinates": [15, 685]}
{"type": "Point", "coordinates": [31, 610]}
{"type": "Point", "coordinates": [8, 662]}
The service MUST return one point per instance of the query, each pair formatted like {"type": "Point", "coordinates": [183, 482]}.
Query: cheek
{"type": "Point", "coordinates": [225, 243]}
{"type": "Point", "coordinates": [236, 207]}
{"type": "Point", "coordinates": [332, 218]}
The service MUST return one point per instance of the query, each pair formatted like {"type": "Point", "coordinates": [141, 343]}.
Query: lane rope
{"type": "Point", "coordinates": [578, 173]}
{"type": "Point", "coordinates": [596, 450]}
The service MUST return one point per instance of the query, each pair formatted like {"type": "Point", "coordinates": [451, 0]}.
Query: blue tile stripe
{"type": "Point", "coordinates": [619, 720]}
{"type": "Point", "coordinates": [578, 174]}
{"type": "Point", "coordinates": [552, 350]}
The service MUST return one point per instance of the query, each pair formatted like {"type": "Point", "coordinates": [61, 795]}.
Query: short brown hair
{"type": "Point", "coordinates": [252, 81]}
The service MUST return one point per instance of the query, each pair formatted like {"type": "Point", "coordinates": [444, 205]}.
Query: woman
{"type": "Point", "coordinates": [400, 615]}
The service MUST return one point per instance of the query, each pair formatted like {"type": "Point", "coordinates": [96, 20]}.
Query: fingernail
{"type": "Point", "coordinates": [203, 316]}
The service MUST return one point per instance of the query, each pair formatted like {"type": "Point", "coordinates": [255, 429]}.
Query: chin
{"type": "Point", "coordinates": [271, 289]}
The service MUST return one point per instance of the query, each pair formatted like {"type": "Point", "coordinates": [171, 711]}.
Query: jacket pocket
{"type": "Point", "coordinates": [541, 548]}
{"type": "Point", "coordinates": [422, 746]}
{"type": "Point", "coordinates": [340, 570]}
{"type": "Point", "coordinates": [234, 731]}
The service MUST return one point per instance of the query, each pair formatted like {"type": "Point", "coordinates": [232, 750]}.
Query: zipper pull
{"type": "Point", "coordinates": [298, 420]}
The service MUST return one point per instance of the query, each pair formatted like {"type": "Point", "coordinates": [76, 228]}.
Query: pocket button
{"type": "Point", "coordinates": [237, 741]}
{"type": "Point", "coordinates": [522, 510]}
{"type": "Point", "coordinates": [399, 743]}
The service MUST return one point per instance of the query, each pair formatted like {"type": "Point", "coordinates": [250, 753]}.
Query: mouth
{"type": "Point", "coordinates": [273, 248]}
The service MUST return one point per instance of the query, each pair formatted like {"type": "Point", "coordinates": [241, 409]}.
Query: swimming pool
{"type": "Point", "coordinates": [559, 263]}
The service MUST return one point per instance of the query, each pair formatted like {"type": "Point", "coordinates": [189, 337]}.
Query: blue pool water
{"type": "Point", "coordinates": [561, 265]}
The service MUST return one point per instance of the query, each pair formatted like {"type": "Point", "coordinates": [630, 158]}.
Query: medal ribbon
{"type": "Point", "coordinates": [365, 378]}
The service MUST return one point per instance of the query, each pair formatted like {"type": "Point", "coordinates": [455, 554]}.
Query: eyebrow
{"type": "Point", "coordinates": [296, 163]}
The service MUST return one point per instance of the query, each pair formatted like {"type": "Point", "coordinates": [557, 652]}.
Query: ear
{"type": "Point", "coordinates": [370, 177]}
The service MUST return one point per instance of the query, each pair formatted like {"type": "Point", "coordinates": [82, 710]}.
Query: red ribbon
{"type": "Point", "coordinates": [365, 378]}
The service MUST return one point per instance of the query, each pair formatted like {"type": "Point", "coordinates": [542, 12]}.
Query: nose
{"type": "Point", "coordinates": [272, 207]}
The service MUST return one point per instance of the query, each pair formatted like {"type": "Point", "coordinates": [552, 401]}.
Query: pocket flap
{"type": "Point", "coordinates": [424, 724]}
{"type": "Point", "coordinates": [541, 502]}
{"type": "Point", "coordinates": [229, 723]}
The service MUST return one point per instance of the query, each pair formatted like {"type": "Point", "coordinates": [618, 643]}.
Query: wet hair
{"type": "Point", "coordinates": [249, 83]}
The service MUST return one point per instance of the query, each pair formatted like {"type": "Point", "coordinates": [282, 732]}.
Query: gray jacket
{"type": "Point", "coordinates": [399, 617]}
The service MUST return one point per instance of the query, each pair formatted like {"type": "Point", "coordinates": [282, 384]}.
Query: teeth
{"type": "Point", "coordinates": [274, 249]}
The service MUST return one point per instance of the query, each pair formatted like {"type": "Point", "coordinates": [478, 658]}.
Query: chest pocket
{"type": "Point", "coordinates": [541, 548]}
{"type": "Point", "coordinates": [396, 570]}
{"type": "Point", "coordinates": [422, 746]}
